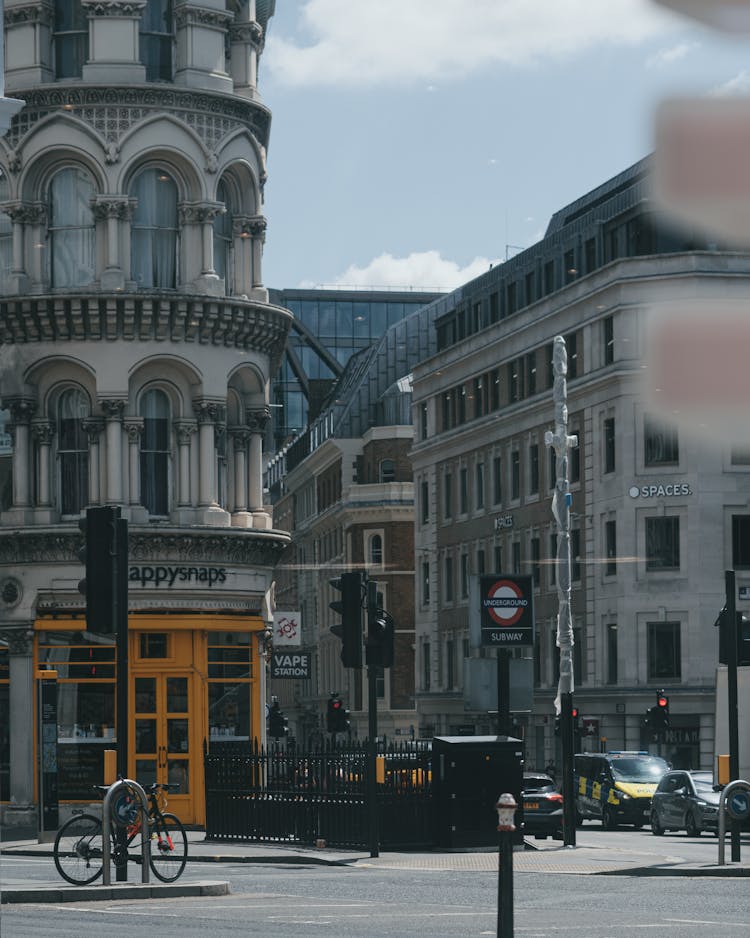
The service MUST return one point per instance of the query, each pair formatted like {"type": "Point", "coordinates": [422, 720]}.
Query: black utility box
{"type": "Point", "coordinates": [469, 773]}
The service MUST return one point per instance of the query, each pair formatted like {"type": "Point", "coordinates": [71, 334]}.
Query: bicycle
{"type": "Point", "coordinates": [78, 850]}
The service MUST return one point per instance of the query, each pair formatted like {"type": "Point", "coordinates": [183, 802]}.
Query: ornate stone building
{"type": "Point", "coordinates": [137, 344]}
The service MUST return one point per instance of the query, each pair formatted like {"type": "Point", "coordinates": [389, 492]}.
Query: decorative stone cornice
{"type": "Point", "coordinates": [186, 14]}
{"type": "Point", "coordinates": [113, 206]}
{"type": "Point", "coordinates": [113, 407]}
{"type": "Point", "coordinates": [226, 322]}
{"type": "Point", "coordinates": [238, 546]}
{"type": "Point", "coordinates": [29, 14]}
{"type": "Point", "coordinates": [209, 411]}
{"type": "Point", "coordinates": [199, 212]}
{"type": "Point", "coordinates": [132, 8]}
{"type": "Point", "coordinates": [257, 420]}
{"type": "Point", "coordinates": [112, 111]}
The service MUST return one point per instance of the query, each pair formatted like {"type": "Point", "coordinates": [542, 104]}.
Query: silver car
{"type": "Point", "coordinates": [685, 801]}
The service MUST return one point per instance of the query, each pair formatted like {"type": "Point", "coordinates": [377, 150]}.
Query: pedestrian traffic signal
{"type": "Point", "coordinates": [278, 724]}
{"type": "Point", "coordinates": [337, 716]}
{"type": "Point", "coordinates": [349, 607]}
{"type": "Point", "coordinates": [379, 645]}
{"type": "Point", "coordinates": [99, 554]}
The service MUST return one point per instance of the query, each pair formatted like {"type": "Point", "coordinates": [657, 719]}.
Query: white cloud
{"type": "Point", "coordinates": [738, 85]}
{"type": "Point", "coordinates": [362, 42]}
{"type": "Point", "coordinates": [421, 270]}
{"type": "Point", "coordinates": [672, 54]}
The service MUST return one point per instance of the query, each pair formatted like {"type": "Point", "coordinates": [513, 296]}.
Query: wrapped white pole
{"type": "Point", "coordinates": [561, 443]}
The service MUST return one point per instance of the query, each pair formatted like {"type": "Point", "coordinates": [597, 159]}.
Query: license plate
{"type": "Point", "coordinates": [530, 807]}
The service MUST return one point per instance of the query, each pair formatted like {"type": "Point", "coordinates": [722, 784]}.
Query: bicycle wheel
{"type": "Point", "coordinates": [168, 848]}
{"type": "Point", "coordinates": [78, 849]}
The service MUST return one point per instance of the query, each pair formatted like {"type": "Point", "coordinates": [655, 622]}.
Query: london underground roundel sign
{"type": "Point", "coordinates": [507, 613]}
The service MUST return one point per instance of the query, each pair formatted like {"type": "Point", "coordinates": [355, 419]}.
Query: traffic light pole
{"type": "Point", "coordinates": [120, 618]}
{"type": "Point", "coordinates": [372, 786]}
{"type": "Point", "coordinates": [732, 716]}
{"type": "Point", "coordinates": [568, 790]}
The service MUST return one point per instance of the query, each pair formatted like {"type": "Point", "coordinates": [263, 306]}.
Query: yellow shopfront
{"type": "Point", "coordinates": [194, 682]}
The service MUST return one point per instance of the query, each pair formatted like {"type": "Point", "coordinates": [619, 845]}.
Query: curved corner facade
{"type": "Point", "coordinates": [137, 345]}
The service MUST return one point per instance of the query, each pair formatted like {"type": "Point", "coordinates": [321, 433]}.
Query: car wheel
{"type": "Point", "coordinates": [608, 818]}
{"type": "Point", "coordinates": [656, 827]}
{"type": "Point", "coordinates": [691, 825]}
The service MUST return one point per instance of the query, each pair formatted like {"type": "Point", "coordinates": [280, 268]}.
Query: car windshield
{"type": "Point", "coordinates": [538, 783]}
{"type": "Point", "coordinates": [638, 769]}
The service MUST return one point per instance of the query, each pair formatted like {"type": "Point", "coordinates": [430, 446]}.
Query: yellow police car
{"type": "Point", "coordinates": [616, 787]}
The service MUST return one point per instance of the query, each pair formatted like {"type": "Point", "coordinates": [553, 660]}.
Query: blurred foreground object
{"type": "Point", "coordinates": [732, 15]}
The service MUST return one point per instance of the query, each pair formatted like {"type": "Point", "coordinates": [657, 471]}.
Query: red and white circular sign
{"type": "Point", "coordinates": [505, 602]}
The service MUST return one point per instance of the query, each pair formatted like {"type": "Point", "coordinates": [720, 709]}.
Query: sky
{"type": "Point", "coordinates": [416, 142]}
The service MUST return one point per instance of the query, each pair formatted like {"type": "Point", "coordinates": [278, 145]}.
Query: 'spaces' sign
{"type": "Point", "coordinates": [507, 612]}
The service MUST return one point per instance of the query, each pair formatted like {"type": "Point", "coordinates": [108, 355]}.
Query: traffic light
{"type": "Point", "coordinates": [379, 647]}
{"type": "Point", "coordinates": [662, 709]}
{"type": "Point", "coordinates": [278, 725]}
{"type": "Point", "coordinates": [723, 623]}
{"type": "Point", "coordinates": [349, 607]}
{"type": "Point", "coordinates": [337, 716]}
{"type": "Point", "coordinates": [101, 585]}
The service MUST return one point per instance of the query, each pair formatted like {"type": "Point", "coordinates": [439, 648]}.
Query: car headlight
{"type": "Point", "coordinates": [623, 796]}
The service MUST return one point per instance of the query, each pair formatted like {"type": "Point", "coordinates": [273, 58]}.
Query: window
{"type": "Point", "coordinates": [495, 386]}
{"type": "Point", "coordinates": [71, 38]}
{"type": "Point", "coordinates": [448, 495]}
{"type": "Point", "coordinates": [531, 373]}
{"type": "Point", "coordinates": [425, 502]}
{"type": "Point", "coordinates": [223, 238]}
{"type": "Point", "coordinates": [663, 543]}
{"type": "Point", "coordinates": [498, 552]}
{"type": "Point", "coordinates": [608, 338]}
{"type": "Point", "coordinates": [154, 230]}
{"type": "Point", "coordinates": [536, 568]}
{"type": "Point", "coordinates": [609, 444]}
{"type": "Point", "coordinates": [569, 263]}
{"type": "Point", "coordinates": [533, 469]}
{"type": "Point", "coordinates": [480, 561]}
{"type": "Point", "coordinates": [230, 670]}
{"type": "Point", "coordinates": [464, 576]}
{"type": "Point", "coordinates": [478, 392]}
{"type": "Point", "coordinates": [529, 290]}
{"type": "Point", "coordinates": [423, 420]}
{"type": "Point", "coordinates": [574, 459]}
{"type": "Point", "coordinates": [425, 582]}
{"type": "Point", "coordinates": [549, 277]}
{"type": "Point", "coordinates": [463, 491]}
{"type": "Point", "coordinates": [494, 307]}
{"type": "Point", "coordinates": [610, 537]}
{"type": "Point", "coordinates": [661, 446]}
{"type": "Point", "coordinates": [553, 559]}
{"type": "Point", "coordinates": [497, 480]}
{"type": "Point", "coordinates": [155, 40]}
{"type": "Point", "coordinates": [516, 556]}
{"type": "Point", "coordinates": [515, 475]}
{"type": "Point", "coordinates": [387, 470]}
{"type": "Point", "coordinates": [571, 344]}
{"type": "Point", "coordinates": [589, 253]}
{"type": "Point", "coordinates": [575, 554]}
{"type": "Point", "coordinates": [426, 667]}
{"type": "Point", "coordinates": [71, 228]}
{"type": "Point", "coordinates": [479, 485]}
{"type": "Point", "coordinates": [611, 653]}
{"type": "Point", "coordinates": [155, 448]}
{"type": "Point", "coordinates": [376, 550]}
{"type": "Point", "coordinates": [552, 466]}
{"type": "Point", "coordinates": [511, 301]}
{"type": "Point", "coordinates": [449, 579]}
{"type": "Point", "coordinates": [740, 542]}
{"type": "Point", "coordinates": [664, 656]}
{"type": "Point", "coordinates": [73, 451]}
{"type": "Point", "coordinates": [515, 379]}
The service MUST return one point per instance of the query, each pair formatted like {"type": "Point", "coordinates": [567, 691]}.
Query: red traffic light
{"type": "Point", "coordinates": [663, 702]}
{"type": "Point", "coordinates": [575, 713]}
{"type": "Point", "coordinates": [335, 704]}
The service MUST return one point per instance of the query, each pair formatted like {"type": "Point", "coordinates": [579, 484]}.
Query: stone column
{"type": "Point", "coordinates": [185, 430]}
{"type": "Point", "coordinates": [258, 236]}
{"type": "Point", "coordinates": [93, 429]}
{"type": "Point", "coordinates": [21, 810]}
{"type": "Point", "coordinates": [240, 515]}
{"type": "Point", "coordinates": [208, 414]}
{"type": "Point", "coordinates": [200, 216]}
{"type": "Point", "coordinates": [257, 421]}
{"type": "Point", "coordinates": [21, 410]}
{"type": "Point", "coordinates": [133, 428]}
{"type": "Point", "coordinates": [113, 409]}
{"type": "Point", "coordinates": [114, 210]}
{"type": "Point", "coordinates": [247, 39]}
{"type": "Point", "coordinates": [21, 214]}
{"type": "Point", "coordinates": [43, 432]}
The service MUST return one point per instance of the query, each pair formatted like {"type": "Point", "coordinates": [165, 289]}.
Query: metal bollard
{"type": "Point", "coordinates": [506, 809]}
{"type": "Point", "coordinates": [125, 784]}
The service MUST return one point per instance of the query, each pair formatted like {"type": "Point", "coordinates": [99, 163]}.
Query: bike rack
{"type": "Point", "coordinates": [738, 785]}
{"type": "Point", "coordinates": [107, 823]}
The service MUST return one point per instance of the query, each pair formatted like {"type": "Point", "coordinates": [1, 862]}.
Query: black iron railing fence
{"type": "Point", "coordinates": [282, 795]}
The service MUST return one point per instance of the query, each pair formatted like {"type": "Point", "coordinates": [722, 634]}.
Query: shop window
{"type": "Point", "coordinates": [70, 38]}
{"type": "Point", "coordinates": [155, 449]}
{"type": "Point", "coordinates": [71, 229]}
{"type": "Point", "coordinates": [73, 451]}
{"type": "Point", "coordinates": [230, 670]}
{"type": "Point", "coordinates": [156, 39]}
{"type": "Point", "coordinates": [663, 543]}
{"type": "Point", "coordinates": [223, 238]}
{"type": "Point", "coordinates": [154, 645]}
{"type": "Point", "coordinates": [154, 230]}
{"type": "Point", "coordinates": [664, 652]}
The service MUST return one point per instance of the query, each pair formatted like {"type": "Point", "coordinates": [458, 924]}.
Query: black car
{"type": "Point", "coordinates": [685, 801]}
{"type": "Point", "coordinates": [542, 806]}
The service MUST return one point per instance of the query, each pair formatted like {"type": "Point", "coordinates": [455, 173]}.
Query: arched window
{"type": "Point", "coordinates": [73, 450]}
{"type": "Point", "coordinates": [71, 228]}
{"type": "Point", "coordinates": [155, 40]}
{"type": "Point", "coordinates": [155, 452]}
{"type": "Point", "coordinates": [376, 550]}
{"type": "Point", "coordinates": [71, 38]}
{"type": "Point", "coordinates": [6, 230]}
{"type": "Point", "coordinates": [154, 230]}
{"type": "Point", "coordinates": [223, 238]}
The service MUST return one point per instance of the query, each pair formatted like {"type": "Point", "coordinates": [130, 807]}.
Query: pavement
{"type": "Point", "coordinates": [536, 856]}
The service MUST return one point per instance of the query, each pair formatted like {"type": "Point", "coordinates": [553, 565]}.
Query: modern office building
{"type": "Point", "coordinates": [657, 515]}
{"type": "Point", "coordinates": [137, 349]}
